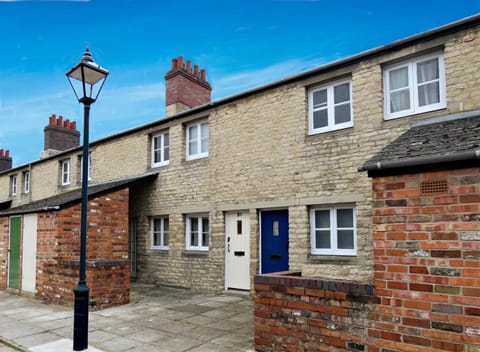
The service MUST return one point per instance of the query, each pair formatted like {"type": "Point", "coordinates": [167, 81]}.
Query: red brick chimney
{"type": "Point", "coordinates": [5, 160]}
{"type": "Point", "coordinates": [185, 89]}
{"type": "Point", "coordinates": [59, 135]}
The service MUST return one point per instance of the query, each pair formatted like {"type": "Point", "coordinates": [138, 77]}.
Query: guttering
{"type": "Point", "coordinates": [422, 160]}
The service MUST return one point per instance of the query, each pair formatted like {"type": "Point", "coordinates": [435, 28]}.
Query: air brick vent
{"type": "Point", "coordinates": [434, 186]}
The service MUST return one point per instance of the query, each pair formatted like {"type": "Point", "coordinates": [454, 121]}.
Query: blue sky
{"type": "Point", "coordinates": [241, 43]}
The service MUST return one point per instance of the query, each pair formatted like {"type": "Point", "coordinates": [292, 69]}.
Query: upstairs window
{"type": "Point", "coordinates": [197, 140]}
{"type": "Point", "coordinates": [333, 231]}
{"type": "Point", "coordinates": [160, 149]}
{"type": "Point", "coordinates": [197, 232]}
{"type": "Point", "coordinates": [89, 171]}
{"type": "Point", "coordinates": [26, 181]}
{"type": "Point", "coordinates": [13, 185]}
{"type": "Point", "coordinates": [160, 230]}
{"type": "Point", "coordinates": [414, 86]}
{"type": "Point", "coordinates": [330, 107]}
{"type": "Point", "coordinates": [65, 172]}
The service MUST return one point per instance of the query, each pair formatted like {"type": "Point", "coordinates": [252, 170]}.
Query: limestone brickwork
{"type": "Point", "coordinates": [261, 156]}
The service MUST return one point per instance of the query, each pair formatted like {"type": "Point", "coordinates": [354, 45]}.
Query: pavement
{"type": "Point", "coordinates": [158, 318]}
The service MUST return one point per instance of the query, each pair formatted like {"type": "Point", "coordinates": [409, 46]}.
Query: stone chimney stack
{"type": "Point", "coordinates": [5, 160]}
{"type": "Point", "coordinates": [185, 89]}
{"type": "Point", "coordinates": [59, 135]}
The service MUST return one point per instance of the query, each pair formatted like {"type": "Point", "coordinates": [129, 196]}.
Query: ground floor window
{"type": "Point", "coordinates": [159, 231]}
{"type": "Point", "coordinates": [197, 232]}
{"type": "Point", "coordinates": [333, 231]}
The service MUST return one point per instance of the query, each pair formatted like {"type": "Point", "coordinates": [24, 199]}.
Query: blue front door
{"type": "Point", "coordinates": [274, 231]}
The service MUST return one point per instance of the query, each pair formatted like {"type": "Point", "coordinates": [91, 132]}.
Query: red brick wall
{"type": "Point", "coordinates": [58, 251]}
{"type": "Point", "coordinates": [299, 314]}
{"type": "Point", "coordinates": [3, 252]}
{"type": "Point", "coordinates": [427, 261]}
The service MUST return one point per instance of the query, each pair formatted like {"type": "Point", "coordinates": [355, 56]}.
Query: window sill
{"type": "Point", "coordinates": [154, 166]}
{"type": "Point", "coordinates": [159, 251]}
{"type": "Point", "coordinates": [332, 259]}
{"type": "Point", "coordinates": [189, 253]}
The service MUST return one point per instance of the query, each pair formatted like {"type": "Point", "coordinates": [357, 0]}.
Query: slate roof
{"type": "Point", "coordinates": [451, 139]}
{"type": "Point", "coordinates": [66, 199]}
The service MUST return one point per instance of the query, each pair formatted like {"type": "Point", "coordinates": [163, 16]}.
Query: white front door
{"type": "Point", "coordinates": [237, 250]}
{"type": "Point", "coordinates": [29, 258]}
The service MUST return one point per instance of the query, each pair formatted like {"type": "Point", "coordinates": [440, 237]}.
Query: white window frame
{"type": "Point", "coordinates": [196, 154]}
{"type": "Point", "coordinates": [162, 232]}
{"type": "Point", "coordinates": [330, 107]}
{"type": "Point", "coordinates": [26, 182]}
{"type": "Point", "coordinates": [89, 167]}
{"type": "Point", "coordinates": [188, 229]}
{"type": "Point", "coordinates": [411, 65]}
{"type": "Point", "coordinates": [334, 250]}
{"type": "Point", "coordinates": [164, 160]}
{"type": "Point", "coordinates": [14, 185]}
{"type": "Point", "coordinates": [65, 172]}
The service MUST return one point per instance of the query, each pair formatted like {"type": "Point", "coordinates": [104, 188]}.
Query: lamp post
{"type": "Point", "coordinates": [87, 79]}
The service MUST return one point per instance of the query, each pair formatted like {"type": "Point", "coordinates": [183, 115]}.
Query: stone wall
{"type": "Point", "coordinates": [262, 157]}
{"type": "Point", "coordinates": [299, 314]}
{"type": "Point", "coordinates": [427, 261]}
{"type": "Point", "coordinates": [58, 250]}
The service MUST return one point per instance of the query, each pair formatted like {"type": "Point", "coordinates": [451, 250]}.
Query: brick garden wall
{"type": "Point", "coordinates": [298, 314]}
{"type": "Point", "coordinates": [108, 269]}
{"type": "Point", "coordinates": [427, 261]}
{"type": "Point", "coordinates": [427, 278]}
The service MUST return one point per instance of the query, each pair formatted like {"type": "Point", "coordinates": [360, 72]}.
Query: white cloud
{"type": "Point", "coordinates": [239, 82]}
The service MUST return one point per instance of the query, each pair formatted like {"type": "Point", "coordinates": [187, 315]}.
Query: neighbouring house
{"type": "Point", "coordinates": [425, 293]}
{"type": "Point", "coordinates": [262, 181]}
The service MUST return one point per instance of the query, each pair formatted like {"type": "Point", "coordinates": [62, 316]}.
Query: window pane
{"type": "Point", "coordinates": [345, 218]}
{"type": "Point", "coordinates": [156, 225]}
{"type": "Point", "coordinates": [192, 148]}
{"type": "Point", "coordinates": [345, 239]}
{"type": "Point", "coordinates": [204, 145]}
{"type": "Point", "coordinates": [166, 140]}
{"type": "Point", "coordinates": [165, 239]}
{"type": "Point", "coordinates": [427, 70]}
{"type": "Point", "coordinates": [398, 78]}
{"type": "Point", "coordinates": [156, 239]}
{"type": "Point", "coordinates": [399, 101]}
{"type": "Point", "coordinates": [341, 93]}
{"type": "Point", "coordinates": [320, 118]}
{"type": "Point", "coordinates": [322, 239]}
{"type": "Point", "coordinates": [205, 232]}
{"type": "Point", "coordinates": [320, 98]}
{"type": "Point", "coordinates": [194, 231]}
{"type": "Point", "coordinates": [429, 94]}
{"type": "Point", "coordinates": [342, 113]}
{"type": "Point", "coordinates": [204, 130]}
{"type": "Point", "coordinates": [192, 133]}
{"type": "Point", "coordinates": [322, 219]}
{"type": "Point", "coordinates": [156, 142]}
{"type": "Point", "coordinates": [166, 154]}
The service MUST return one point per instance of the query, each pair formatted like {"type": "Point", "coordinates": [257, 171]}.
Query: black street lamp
{"type": "Point", "coordinates": [87, 79]}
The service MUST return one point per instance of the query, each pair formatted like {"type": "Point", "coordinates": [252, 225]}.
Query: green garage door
{"type": "Point", "coordinates": [14, 253]}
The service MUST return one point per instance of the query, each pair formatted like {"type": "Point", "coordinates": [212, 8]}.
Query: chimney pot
{"type": "Point", "coordinates": [73, 125]}
{"type": "Point", "coordinates": [180, 62]}
{"type": "Point", "coordinates": [1, 152]}
{"type": "Point", "coordinates": [203, 75]}
{"type": "Point", "coordinates": [189, 66]}
{"type": "Point", "coordinates": [7, 153]}
{"type": "Point", "coordinates": [174, 64]}
{"type": "Point", "coordinates": [51, 120]}
{"type": "Point", "coordinates": [195, 70]}
{"type": "Point", "coordinates": [66, 123]}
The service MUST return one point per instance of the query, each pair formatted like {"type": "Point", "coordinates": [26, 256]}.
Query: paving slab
{"type": "Point", "coordinates": [157, 319]}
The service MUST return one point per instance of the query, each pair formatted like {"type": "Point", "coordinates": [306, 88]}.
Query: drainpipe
{"type": "Point", "coordinates": [422, 160]}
